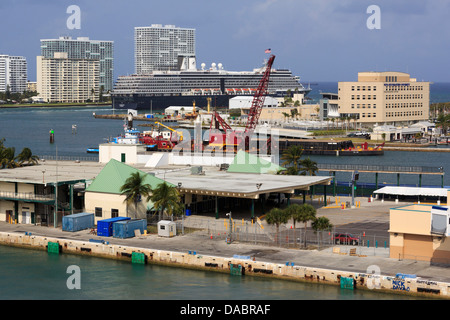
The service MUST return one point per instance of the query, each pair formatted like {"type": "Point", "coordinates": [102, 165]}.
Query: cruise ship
{"type": "Point", "coordinates": [188, 85]}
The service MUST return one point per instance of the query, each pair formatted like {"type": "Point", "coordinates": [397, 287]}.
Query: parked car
{"type": "Point", "coordinates": [345, 238]}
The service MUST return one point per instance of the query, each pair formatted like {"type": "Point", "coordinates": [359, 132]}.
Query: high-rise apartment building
{"type": "Point", "coordinates": [13, 74]}
{"type": "Point", "coordinates": [162, 48]}
{"type": "Point", "coordinates": [83, 48]}
{"type": "Point", "coordinates": [63, 79]}
{"type": "Point", "coordinates": [384, 97]}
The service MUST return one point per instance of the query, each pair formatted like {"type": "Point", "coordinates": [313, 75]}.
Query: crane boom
{"type": "Point", "coordinates": [258, 98]}
{"type": "Point", "coordinates": [180, 134]}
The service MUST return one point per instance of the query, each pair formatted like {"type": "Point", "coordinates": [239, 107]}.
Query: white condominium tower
{"type": "Point", "coordinates": [13, 74]}
{"type": "Point", "coordinates": [162, 48]}
{"type": "Point", "coordinates": [83, 48]}
{"type": "Point", "coordinates": [62, 79]}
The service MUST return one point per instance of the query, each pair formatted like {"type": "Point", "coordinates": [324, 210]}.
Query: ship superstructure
{"type": "Point", "coordinates": [161, 89]}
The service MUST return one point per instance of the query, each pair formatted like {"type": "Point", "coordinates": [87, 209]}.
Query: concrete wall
{"type": "Point", "coordinates": [411, 237]}
{"type": "Point", "coordinates": [114, 151]}
{"type": "Point", "coordinates": [108, 202]}
{"type": "Point", "coordinates": [290, 272]}
{"type": "Point", "coordinates": [413, 219]}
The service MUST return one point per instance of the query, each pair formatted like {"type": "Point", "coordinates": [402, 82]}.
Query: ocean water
{"type": "Point", "coordinates": [27, 274]}
{"type": "Point", "coordinates": [31, 274]}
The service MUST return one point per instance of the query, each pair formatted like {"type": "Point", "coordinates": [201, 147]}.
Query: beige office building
{"type": "Point", "coordinates": [385, 98]}
{"type": "Point", "coordinates": [61, 79]}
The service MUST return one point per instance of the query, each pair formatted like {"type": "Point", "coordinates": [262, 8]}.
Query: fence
{"type": "Point", "coordinates": [257, 233]}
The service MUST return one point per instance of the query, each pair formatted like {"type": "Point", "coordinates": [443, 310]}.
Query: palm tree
{"type": "Point", "coordinates": [134, 188]}
{"type": "Point", "coordinates": [277, 217]}
{"type": "Point", "coordinates": [321, 224]}
{"type": "Point", "coordinates": [292, 156]}
{"type": "Point", "coordinates": [443, 121]}
{"type": "Point", "coordinates": [306, 214]}
{"type": "Point", "coordinates": [294, 212]}
{"type": "Point", "coordinates": [166, 198]}
{"type": "Point", "coordinates": [27, 156]}
{"type": "Point", "coordinates": [7, 157]}
{"type": "Point", "coordinates": [309, 166]}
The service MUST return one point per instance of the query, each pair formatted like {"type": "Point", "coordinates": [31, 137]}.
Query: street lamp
{"type": "Point", "coordinates": [230, 223]}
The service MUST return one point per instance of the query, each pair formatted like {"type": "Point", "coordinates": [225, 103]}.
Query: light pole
{"type": "Point", "coordinates": [230, 230]}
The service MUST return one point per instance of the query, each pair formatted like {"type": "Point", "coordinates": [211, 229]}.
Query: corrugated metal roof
{"type": "Point", "coordinates": [113, 176]}
{"type": "Point", "coordinates": [245, 162]}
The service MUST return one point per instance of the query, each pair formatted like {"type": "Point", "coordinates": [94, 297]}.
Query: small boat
{"type": "Point", "coordinates": [92, 150]}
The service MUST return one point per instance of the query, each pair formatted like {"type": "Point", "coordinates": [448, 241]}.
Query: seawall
{"type": "Point", "coordinates": [236, 265]}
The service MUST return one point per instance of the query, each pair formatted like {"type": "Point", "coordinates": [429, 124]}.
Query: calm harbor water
{"type": "Point", "coordinates": [30, 274]}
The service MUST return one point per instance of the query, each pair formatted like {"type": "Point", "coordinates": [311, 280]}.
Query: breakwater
{"type": "Point", "coordinates": [236, 265]}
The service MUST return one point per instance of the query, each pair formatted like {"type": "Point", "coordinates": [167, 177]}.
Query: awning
{"type": "Point", "coordinates": [408, 191]}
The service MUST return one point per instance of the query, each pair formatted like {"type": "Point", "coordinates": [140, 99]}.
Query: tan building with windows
{"type": "Point", "coordinates": [420, 232]}
{"type": "Point", "coordinates": [385, 98]}
{"type": "Point", "coordinates": [61, 79]}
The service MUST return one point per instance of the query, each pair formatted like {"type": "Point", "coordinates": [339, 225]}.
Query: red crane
{"type": "Point", "coordinates": [258, 98]}
{"type": "Point", "coordinates": [233, 137]}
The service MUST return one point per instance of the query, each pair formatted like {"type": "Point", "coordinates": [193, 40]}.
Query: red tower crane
{"type": "Point", "coordinates": [237, 138]}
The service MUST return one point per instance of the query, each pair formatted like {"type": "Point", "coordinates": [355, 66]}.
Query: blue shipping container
{"type": "Point", "coordinates": [105, 227]}
{"type": "Point", "coordinates": [78, 221]}
{"type": "Point", "coordinates": [125, 229]}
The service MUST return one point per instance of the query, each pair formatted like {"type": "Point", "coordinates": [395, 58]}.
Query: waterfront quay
{"type": "Point", "coordinates": [370, 268]}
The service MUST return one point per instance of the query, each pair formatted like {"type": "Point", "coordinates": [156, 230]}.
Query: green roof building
{"type": "Point", "coordinates": [103, 195]}
{"type": "Point", "coordinates": [245, 162]}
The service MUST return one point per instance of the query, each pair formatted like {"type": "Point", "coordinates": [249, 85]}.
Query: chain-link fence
{"type": "Point", "coordinates": [259, 233]}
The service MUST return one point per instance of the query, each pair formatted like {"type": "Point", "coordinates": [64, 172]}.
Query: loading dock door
{"type": "Point", "coordinates": [418, 247]}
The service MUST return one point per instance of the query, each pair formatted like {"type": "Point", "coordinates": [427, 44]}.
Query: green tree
{"type": "Point", "coordinates": [27, 156]}
{"type": "Point", "coordinates": [134, 189]}
{"type": "Point", "coordinates": [277, 217]}
{"type": "Point", "coordinates": [443, 121]}
{"type": "Point", "coordinates": [308, 167]}
{"type": "Point", "coordinates": [294, 212]}
{"type": "Point", "coordinates": [166, 198]}
{"type": "Point", "coordinates": [321, 224]}
{"type": "Point", "coordinates": [292, 156]}
{"type": "Point", "coordinates": [8, 158]}
{"type": "Point", "coordinates": [306, 214]}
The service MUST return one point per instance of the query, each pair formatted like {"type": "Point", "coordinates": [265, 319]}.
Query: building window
{"type": "Point", "coordinates": [114, 213]}
{"type": "Point", "coordinates": [98, 212]}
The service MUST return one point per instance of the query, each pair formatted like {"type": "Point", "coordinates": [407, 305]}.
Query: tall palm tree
{"type": "Point", "coordinates": [134, 189]}
{"type": "Point", "coordinates": [292, 156]}
{"type": "Point", "coordinates": [27, 156]}
{"type": "Point", "coordinates": [166, 198]}
{"type": "Point", "coordinates": [309, 166]}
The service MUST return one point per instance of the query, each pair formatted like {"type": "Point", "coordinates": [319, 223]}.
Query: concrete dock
{"type": "Point", "coordinates": [370, 267]}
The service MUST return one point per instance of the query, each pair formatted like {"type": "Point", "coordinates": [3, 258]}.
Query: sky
{"type": "Point", "coordinates": [318, 40]}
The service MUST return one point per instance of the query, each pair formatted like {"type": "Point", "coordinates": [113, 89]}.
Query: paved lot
{"type": "Point", "coordinates": [374, 216]}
